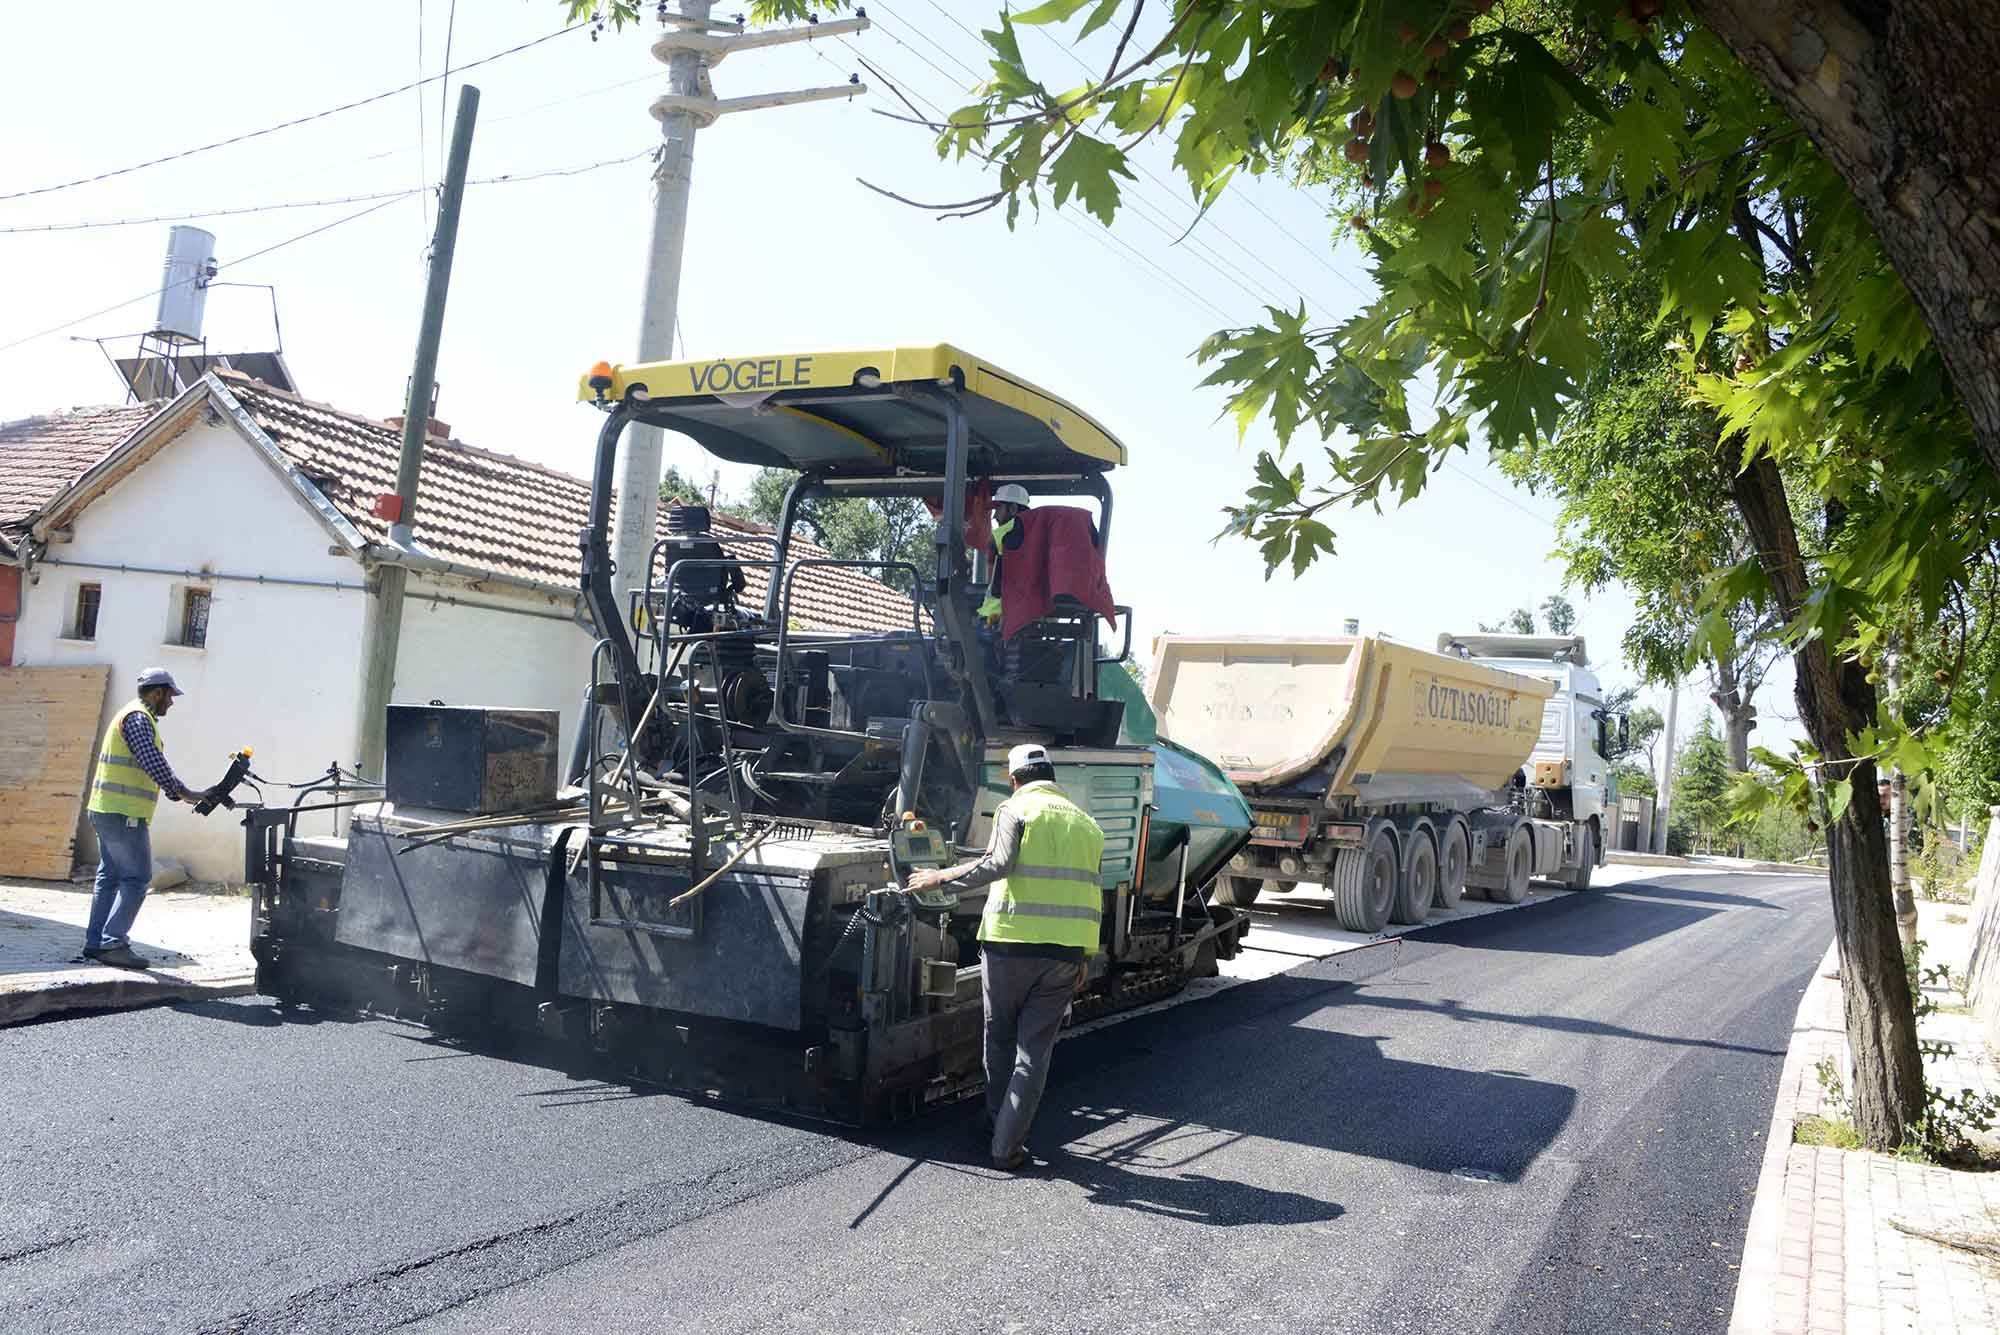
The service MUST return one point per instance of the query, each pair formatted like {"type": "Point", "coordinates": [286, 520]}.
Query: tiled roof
{"type": "Point", "coordinates": [41, 456]}
{"type": "Point", "coordinates": [498, 513]}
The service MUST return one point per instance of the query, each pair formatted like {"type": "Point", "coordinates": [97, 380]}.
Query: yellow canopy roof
{"type": "Point", "coordinates": [827, 411]}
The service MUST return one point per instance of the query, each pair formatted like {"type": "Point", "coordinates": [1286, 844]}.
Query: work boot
{"type": "Point", "coordinates": [118, 957]}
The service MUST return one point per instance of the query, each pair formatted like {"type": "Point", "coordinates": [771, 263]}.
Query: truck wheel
{"type": "Point", "coordinates": [1454, 859]}
{"type": "Point", "coordinates": [1240, 891]}
{"type": "Point", "coordinates": [1587, 850]}
{"type": "Point", "coordinates": [1416, 888]}
{"type": "Point", "coordinates": [1364, 884]}
{"type": "Point", "coordinates": [1520, 866]}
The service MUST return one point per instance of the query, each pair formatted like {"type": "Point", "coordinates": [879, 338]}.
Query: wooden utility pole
{"type": "Point", "coordinates": [384, 630]}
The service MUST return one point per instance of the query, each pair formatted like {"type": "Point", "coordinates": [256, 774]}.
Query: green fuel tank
{"type": "Point", "coordinates": [1192, 798]}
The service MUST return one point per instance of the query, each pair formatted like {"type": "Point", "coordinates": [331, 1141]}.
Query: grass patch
{"type": "Point", "coordinates": [1838, 1135]}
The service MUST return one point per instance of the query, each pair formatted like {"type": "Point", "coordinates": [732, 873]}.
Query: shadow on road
{"type": "Point", "coordinates": [1452, 1009]}
{"type": "Point", "coordinates": [1191, 1197]}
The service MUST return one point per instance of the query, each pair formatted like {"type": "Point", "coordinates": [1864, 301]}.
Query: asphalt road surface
{"type": "Point", "coordinates": [1538, 1121]}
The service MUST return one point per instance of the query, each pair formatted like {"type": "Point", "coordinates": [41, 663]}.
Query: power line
{"type": "Point", "coordinates": [1317, 257]}
{"type": "Point", "coordinates": [444, 87]}
{"type": "Point", "coordinates": [505, 178]}
{"type": "Point", "coordinates": [286, 125]}
{"type": "Point", "coordinates": [1100, 233]}
{"type": "Point", "coordinates": [1107, 235]}
{"type": "Point", "coordinates": [423, 152]}
{"type": "Point", "coordinates": [255, 254]}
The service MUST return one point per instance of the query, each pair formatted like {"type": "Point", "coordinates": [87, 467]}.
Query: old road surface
{"type": "Point", "coordinates": [1536, 1121]}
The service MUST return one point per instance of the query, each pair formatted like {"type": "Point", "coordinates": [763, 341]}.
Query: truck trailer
{"type": "Point", "coordinates": [1396, 777]}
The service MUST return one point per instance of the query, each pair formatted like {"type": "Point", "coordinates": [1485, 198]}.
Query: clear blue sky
{"type": "Point", "coordinates": [786, 251]}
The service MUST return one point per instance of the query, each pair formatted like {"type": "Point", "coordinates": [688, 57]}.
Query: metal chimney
{"type": "Point", "coordinates": [184, 290]}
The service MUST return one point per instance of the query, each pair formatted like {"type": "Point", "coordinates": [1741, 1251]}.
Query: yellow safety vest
{"type": "Point", "coordinates": [1053, 896]}
{"type": "Point", "coordinates": [121, 787]}
{"type": "Point", "coordinates": [990, 609]}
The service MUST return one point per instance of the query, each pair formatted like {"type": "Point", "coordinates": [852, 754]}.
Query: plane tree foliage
{"type": "Point", "coordinates": [1646, 507]}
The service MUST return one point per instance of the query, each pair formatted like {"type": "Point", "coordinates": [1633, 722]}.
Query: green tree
{"type": "Point", "coordinates": [1647, 506]}
{"type": "Point", "coordinates": [1557, 613]}
{"type": "Point", "coordinates": [1702, 780]}
{"type": "Point", "coordinates": [850, 528]}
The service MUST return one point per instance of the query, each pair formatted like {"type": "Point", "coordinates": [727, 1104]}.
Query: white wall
{"type": "Point", "coordinates": [472, 656]}
{"type": "Point", "coordinates": [280, 670]}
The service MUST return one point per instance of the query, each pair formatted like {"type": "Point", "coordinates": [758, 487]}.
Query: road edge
{"type": "Point", "coordinates": [1758, 1268]}
{"type": "Point", "coordinates": [58, 995]}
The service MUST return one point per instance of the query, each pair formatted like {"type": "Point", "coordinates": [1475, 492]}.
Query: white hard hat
{"type": "Point", "coordinates": [1027, 757]}
{"type": "Point", "coordinates": [1011, 494]}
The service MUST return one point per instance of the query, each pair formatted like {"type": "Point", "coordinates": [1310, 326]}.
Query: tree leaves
{"type": "Point", "coordinates": [1522, 398]}
{"type": "Point", "coordinates": [1089, 169]}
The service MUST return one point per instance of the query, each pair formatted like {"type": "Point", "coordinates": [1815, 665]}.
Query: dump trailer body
{"type": "Point", "coordinates": [1362, 716]}
{"type": "Point", "coordinates": [1393, 775]}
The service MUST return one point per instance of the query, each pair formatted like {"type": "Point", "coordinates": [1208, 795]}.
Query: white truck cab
{"type": "Point", "coordinates": [1568, 775]}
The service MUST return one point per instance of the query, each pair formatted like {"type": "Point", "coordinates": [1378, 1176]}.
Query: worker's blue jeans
{"type": "Point", "coordinates": [124, 871]}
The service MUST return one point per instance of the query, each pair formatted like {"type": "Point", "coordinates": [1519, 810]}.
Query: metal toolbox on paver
{"type": "Point", "coordinates": [466, 758]}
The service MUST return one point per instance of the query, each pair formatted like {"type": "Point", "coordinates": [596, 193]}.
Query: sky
{"type": "Point", "coordinates": [786, 252]}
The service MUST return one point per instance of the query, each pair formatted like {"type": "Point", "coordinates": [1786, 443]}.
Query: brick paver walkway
{"type": "Point", "coordinates": [201, 943]}
{"type": "Point", "coordinates": [1835, 1241]}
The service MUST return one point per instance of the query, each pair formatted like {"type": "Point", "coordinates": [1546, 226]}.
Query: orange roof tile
{"type": "Point", "coordinates": [41, 456]}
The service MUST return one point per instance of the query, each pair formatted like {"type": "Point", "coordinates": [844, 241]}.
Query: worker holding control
{"type": "Point", "coordinates": [1040, 924]}
{"type": "Point", "coordinates": [132, 773]}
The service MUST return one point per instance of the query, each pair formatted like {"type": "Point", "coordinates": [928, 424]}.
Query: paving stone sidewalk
{"type": "Point", "coordinates": [200, 940]}
{"type": "Point", "coordinates": [1846, 1241]}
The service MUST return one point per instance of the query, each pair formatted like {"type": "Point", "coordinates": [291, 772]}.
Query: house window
{"type": "Point", "coordinates": [83, 623]}
{"type": "Point", "coordinates": [194, 618]}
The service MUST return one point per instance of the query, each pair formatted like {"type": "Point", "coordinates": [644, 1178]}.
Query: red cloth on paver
{"type": "Point", "coordinates": [1056, 557]}
{"type": "Point", "coordinates": [978, 513]}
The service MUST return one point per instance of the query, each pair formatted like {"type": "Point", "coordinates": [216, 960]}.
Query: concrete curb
{"type": "Point", "coordinates": [1757, 1268]}
{"type": "Point", "coordinates": [1621, 857]}
{"type": "Point", "coordinates": [65, 991]}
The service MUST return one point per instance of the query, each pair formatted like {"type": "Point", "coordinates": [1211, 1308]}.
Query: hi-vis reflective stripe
{"type": "Point", "coordinates": [1056, 874]}
{"type": "Point", "coordinates": [106, 758]}
{"type": "Point", "coordinates": [124, 788]}
{"type": "Point", "coordinates": [1028, 908]}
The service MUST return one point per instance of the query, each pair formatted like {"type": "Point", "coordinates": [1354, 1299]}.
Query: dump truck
{"type": "Point", "coordinates": [714, 899]}
{"type": "Point", "coordinates": [1398, 778]}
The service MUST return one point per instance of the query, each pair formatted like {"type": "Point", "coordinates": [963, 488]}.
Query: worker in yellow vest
{"type": "Point", "coordinates": [1008, 503]}
{"type": "Point", "coordinates": [1041, 923]}
{"type": "Point", "coordinates": [132, 773]}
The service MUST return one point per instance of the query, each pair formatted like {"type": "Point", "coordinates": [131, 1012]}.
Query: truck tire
{"type": "Point", "coordinates": [1416, 886]}
{"type": "Point", "coordinates": [1587, 849]}
{"type": "Point", "coordinates": [1520, 866]}
{"type": "Point", "coordinates": [1454, 860]}
{"type": "Point", "coordinates": [1240, 891]}
{"type": "Point", "coordinates": [1364, 884]}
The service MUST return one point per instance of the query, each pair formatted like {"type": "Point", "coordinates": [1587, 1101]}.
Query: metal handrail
{"type": "Point", "coordinates": [784, 622]}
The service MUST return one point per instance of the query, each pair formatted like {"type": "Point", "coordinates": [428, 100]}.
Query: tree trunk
{"type": "Point", "coordinates": [1835, 701]}
{"type": "Point", "coordinates": [1900, 96]}
{"type": "Point", "coordinates": [1739, 716]}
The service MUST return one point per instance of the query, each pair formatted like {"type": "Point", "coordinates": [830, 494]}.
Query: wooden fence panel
{"type": "Point", "coordinates": [48, 735]}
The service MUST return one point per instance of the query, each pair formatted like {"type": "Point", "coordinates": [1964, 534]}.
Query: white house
{"type": "Point", "coordinates": [229, 534]}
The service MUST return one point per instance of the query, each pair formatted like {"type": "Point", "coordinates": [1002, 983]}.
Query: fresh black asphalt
{"type": "Point", "coordinates": [1548, 1120]}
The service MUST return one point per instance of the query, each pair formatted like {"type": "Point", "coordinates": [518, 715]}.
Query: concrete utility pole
{"type": "Point", "coordinates": [692, 45]}
{"type": "Point", "coordinates": [384, 631]}
{"type": "Point", "coordinates": [1667, 772]}
{"type": "Point", "coordinates": [1899, 819]}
